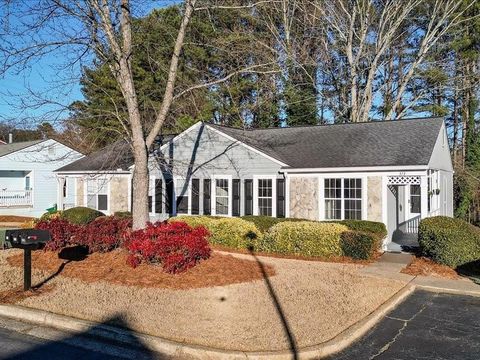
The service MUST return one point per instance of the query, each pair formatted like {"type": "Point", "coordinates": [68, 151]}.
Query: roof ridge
{"type": "Point", "coordinates": [330, 125]}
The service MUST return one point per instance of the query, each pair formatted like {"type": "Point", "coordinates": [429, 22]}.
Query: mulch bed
{"type": "Point", "coordinates": [15, 295]}
{"type": "Point", "coordinates": [334, 259]}
{"type": "Point", "coordinates": [14, 219]}
{"type": "Point", "coordinates": [218, 270]}
{"type": "Point", "coordinates": [422, 266]}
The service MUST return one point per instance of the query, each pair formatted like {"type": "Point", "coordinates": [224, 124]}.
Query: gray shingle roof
{"type": "Point", "coordinates": [6, 149]}
{"type": "Point", "coordinates": [376, 143]}
{"type": "Point", "coordinates": [111, 158]}
{"type": "Point", "coordinates": [114, 156]}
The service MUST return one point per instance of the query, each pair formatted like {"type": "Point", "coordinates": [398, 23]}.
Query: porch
{"type": "Point", "coordinates": [411, 198]}
{"type": "Point", "coordinates": [15, 189]}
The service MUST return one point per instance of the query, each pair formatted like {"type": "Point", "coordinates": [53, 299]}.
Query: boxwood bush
{"type": "Point", "coordinates": [264, 223]}
{"type": "Point", "coordinates": [81, 215]}
{"type": "Point", "coordinates": [448, 241]}
{"type": "Point", "coordinates": [225, 231]}
{"type": "Point", "coordinates": [359, 245]}
{"type": "Point", "coordinates": [307, 238]}
{"type": "Point", "coordinates": [378, 229]}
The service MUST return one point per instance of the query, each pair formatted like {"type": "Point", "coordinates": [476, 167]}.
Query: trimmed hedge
{"type": "Point", "coordinates": [448, 241]}
{"type": "Point", "coordinates": [81, 215]}
{"type": "Point", "coordinates": [122, 214]}
{"type": "Point", "coordinates": [378, 229]}
{"type": "Point", "coordinates": [231, 232]}
{"type": "Point", "coordinates": [307, 238]}
{"type": "Point", "coordinates": [264, 223]}
{"type": "Point", "coordinates": [359, 245]}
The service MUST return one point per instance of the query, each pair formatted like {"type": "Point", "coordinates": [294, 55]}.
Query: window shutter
{"type": "Point", "coordinates": [249, 197]}
{"type": "Point", "coordinates": [195, 196]}
{"type": "Point", "coordinates": [158, 196]}
{"type": "Point", "coordinates": [281, 198]}
{"type": "Point", "coordinates": [236, 197]}
{"type": "Point", "coordinates": [206, 197]}
{"type": "Point", "coordinates": [169, 186]}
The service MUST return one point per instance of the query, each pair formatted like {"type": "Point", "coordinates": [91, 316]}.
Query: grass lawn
{"type": "Point", "coordinates": [317, 299]}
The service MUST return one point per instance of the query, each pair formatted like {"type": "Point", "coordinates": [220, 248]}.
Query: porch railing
{"type": "Point", "coordinates": [410, 226]}
{"type": "Point", "coordinates": [13, 198]}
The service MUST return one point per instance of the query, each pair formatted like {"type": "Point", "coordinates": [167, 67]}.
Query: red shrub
{"type": "Point", "coordinates": [176, 246]}
{"type": "Point", "coordinates": [61, 232]}
{"type": "Point", "coordinates": [103, 234]}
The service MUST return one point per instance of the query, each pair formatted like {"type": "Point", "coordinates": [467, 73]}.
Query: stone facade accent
{"type": "Point", "coordinates": [375, 201]}
{"type": "Point", "coordinates": [80, 184]}
{"type": "Point", "coordinates": [304, 197]}
{"type": "Point", "coordinates": [118, 194]}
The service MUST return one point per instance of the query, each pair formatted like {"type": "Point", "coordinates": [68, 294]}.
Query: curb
{"type": "Point", "coordinates": [445, 290]}
{"type": "Point", "coordinates": [183, 350]}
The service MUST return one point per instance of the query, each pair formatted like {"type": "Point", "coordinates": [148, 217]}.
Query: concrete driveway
{"type": "Point", "coordinates": [426, 326]}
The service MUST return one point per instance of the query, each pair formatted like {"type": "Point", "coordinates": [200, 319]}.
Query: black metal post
{"type": "Point", "coordinates": [27, 269]}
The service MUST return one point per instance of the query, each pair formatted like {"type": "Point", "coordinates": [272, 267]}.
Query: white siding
{"type": "Point", "coordinates": [40, 160]}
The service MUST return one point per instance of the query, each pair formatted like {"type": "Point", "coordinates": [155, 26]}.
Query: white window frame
{"type": "Point", "coordinates": [97, 179]}
{"type": "Point", "coordinates": [274, 193]}
{"type": "Point", "coordinates": [321, 197]}
{"type": "Point", "coordinates": [213, 196]}
{"type": "Point", "coordinates": [189, 194]}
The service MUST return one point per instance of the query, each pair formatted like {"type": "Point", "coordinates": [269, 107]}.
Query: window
{"type": "Point", "coordinates": [343, 199]}
{"type": "Point", "coordinates": [265, 197]}
{"type": "Point", "coordinates": [97, 194]}
{"type": "Point", "coordinates": [181, 193]}
{"type": "Point", "coordinates": [333, 199]}
{"type": "Point", "coordinates": [221, 196]}
{"type": "Point", "coordinates": [415, 199]}
{"type": "Point", "coordinates": [352, 189]}
{"type": "Point", "coordinates": [27, 183]}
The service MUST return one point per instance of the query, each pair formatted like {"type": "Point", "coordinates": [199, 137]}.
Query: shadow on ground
{"type": "Point", "coordinates": [79, 346]}
{"type": "Point", "coordinates": [278, 307]}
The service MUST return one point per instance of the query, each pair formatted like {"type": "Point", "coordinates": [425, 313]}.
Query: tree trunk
{"type": "Point", "coordinates": [140, 186]}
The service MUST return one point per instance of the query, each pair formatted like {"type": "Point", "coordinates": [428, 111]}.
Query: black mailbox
{"type": "Point", "coordinates": [28, 240]}
{"type": "Point", "coordinates": [32, 239]}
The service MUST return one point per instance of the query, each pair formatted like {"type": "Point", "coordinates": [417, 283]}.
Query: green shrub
{"type": "Point", "coordinates": [376, 228]}
{"type": "Point", "coordinates": [122, 214]}
{"type": "Point", "coordinates": [359, 245]}
{"type": "Point", "coordinates": [81, 215]}
{"type": "Point", "coordinates": [307, 238]}
{"type": "Point", "coordinates": [264, 223]}
{"type": "Point", "coordinates": [51, 215]}
{"type": "Point", "coordinates": [448, 241]}
{"type": "Point", "coordinates": [225, 231]}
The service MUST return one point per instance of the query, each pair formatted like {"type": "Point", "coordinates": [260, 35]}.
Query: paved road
{"type": "Point", "coordinates": [426, 326]}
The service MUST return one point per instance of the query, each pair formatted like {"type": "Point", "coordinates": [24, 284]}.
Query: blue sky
{"type": "Point", "coordinates": [47, 77]}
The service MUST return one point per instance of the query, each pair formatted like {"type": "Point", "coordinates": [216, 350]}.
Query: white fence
{"type": "Point", "coordinates": [15, 198]}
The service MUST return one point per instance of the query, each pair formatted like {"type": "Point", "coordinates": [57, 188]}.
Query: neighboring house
{"type": "Point", "coordinates": [28, 185]}
{"type": "Point", "coordinates": [396, 172]}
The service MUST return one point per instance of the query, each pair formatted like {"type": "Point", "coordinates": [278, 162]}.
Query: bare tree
{"type": "Point", "coordinates": [102, 29]}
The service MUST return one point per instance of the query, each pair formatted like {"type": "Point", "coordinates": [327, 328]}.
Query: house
{"type": "Point", "coordinates": [28, 185]}
{"type": "Point", "coordinates": [395, 172]}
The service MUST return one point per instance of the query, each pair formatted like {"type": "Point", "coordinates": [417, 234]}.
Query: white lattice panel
{"type": "Point", "coordinates": [404, 180]}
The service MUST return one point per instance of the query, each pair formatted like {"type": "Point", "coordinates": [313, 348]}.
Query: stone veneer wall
{"type": "Point", "coordinates": [118, 194]}
{"type": "Point", "coordinates": [374, 195]}
{"type": "Point", "coordinates": [304, 197]}
{"type": "Point", "coordinates": [80, 194]}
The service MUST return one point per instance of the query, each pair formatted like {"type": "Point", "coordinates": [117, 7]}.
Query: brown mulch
{"type": "Point", "coordinates": [218, 270]}
{"type": "Point", "coordinates": [14, 218]}
{"type": "Point", "coordinates": [421, 266]}
{"type": "Point", "coordinates": [13, 296]}
{"type": "Point", "coordinates": [333, 259]}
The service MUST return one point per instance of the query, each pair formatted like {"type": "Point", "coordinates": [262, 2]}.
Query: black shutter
{"type": "Point", "coordinates": [195, 196]}
{"type": "Point", "coordinates": [236, 197]}
{"type": "Point", "coordinates": [249, 197]}
{"type": "Point", "coordinates": [169, 186]}
{"type": "Point", "coordinates": [281, 198]}
{"type": "Point", "coordinates": [206, 197]}
{"type": "Point", "coordinates": [158, 196]}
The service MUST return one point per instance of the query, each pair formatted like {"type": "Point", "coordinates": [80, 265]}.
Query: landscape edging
{"type": "Point", "coordinates": [171, 348]}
